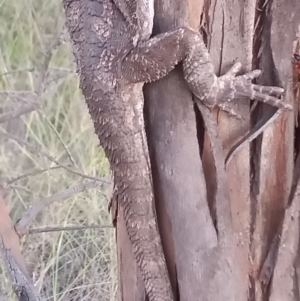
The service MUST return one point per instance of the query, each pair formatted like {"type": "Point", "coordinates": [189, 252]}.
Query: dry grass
{"type": "Point", "coordinates": [68, 265]}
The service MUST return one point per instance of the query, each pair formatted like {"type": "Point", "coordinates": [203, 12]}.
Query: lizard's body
{"type": "Point", "coordinates": [114, 58]}
{"type": "Point", "coordinates": [117, 113]}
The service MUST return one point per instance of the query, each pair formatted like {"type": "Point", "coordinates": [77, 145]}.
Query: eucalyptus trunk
{"type": "Point", "coordinates": [259, 260]}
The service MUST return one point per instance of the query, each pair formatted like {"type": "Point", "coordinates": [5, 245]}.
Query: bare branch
{"type": "Point", "coordinates": [22, 285]}
{"type": "Point", "coordinates": [37, 149]}
{"type": "Point", "coordinates": [68, 228]}
{"type": "Point", "coordinates": [16, 187]}
{"type": "Point", "coordinates": [23, 109]}
{"type": "Point", "coordinates": [24, 95]}
{"type": "Point", "coordinates": [32, 173]}
{"type": "Point", "coordinates": [18, 71]}
{"type": "Point", "coordinates": [32, 212]}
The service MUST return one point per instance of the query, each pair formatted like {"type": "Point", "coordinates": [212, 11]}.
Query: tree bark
{"type": "Point", "coordinates": [200, 267]}
{"type": "Point", "coordinates": [282, 22]}
{"type": "Point", "coordinates": [177, 170]}
{"type": "Point", "coordinates": [178, 174]}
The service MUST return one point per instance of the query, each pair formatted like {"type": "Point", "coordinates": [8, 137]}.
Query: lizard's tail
{"type": "Point", "coordinates": [127, 152]}
{"type": "Point", "coordinates": [134, 193]}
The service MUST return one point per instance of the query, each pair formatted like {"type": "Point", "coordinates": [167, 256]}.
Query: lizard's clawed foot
{"type": "Point", "coordinates": [230, 86]}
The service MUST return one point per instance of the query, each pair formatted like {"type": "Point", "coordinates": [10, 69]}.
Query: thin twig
{"type": "Point", "coordinates": [18, 71]}
{"type": "Point", "coordinates": [23, 109]}
{"type": "Point", "coordinates": [37, 149]}
{"type": "Point", "coordinates": [27, 96]}
{"type": "Point", "coordinates": [32, 173]}
{"type": "Point", "coordinates": [65, 70]}
{"type": "Point", "coordinates": [32, 212]}
{"type": "Point", "coordinates": [16, 187]}
{"type": "Point", "coordinates": [68, 228]}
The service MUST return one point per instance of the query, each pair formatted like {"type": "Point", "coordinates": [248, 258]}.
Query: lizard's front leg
{"type": "Point", "coordinates": [155, 58]}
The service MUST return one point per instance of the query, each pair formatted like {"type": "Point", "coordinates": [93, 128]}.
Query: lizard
{"type": "Point", "coordinates": [115, 55]}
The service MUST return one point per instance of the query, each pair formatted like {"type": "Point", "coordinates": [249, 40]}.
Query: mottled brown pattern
{"type": "Point", "coordinates": [114, 58]}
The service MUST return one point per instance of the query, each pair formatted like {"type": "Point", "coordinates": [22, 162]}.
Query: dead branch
{"type": "Point", "coordinates": [27, 96]}
{"type": "Point", "coordinates": [68, 228]}
{"type": "Point", "coordinates": [22, 225]}
{"type": "Point", "coordinates": [16, 187]}
{"type": "Point", "coordinates": [37, 149]}
{"type": "Point", "coordinates": [23, 109]}
{"type": "Point", "coordinates": [18, 71]}
{"type": "Point", "coordinates": [32, 173]}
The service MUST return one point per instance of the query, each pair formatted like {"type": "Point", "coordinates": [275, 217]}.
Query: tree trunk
{"type": "Point", "coordinates": [241, 242]}
{"type": "Point", "coordinates": [259, 35]}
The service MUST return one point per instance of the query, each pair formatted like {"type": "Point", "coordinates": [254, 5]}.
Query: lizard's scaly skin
{"type": "Point", "coordinates": [114, 59]}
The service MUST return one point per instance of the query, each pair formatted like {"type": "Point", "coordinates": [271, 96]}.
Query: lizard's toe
{"type": "Point", "coordinates": [269, 99]}
{"type": "Point", "coordinates": [234, 69]}
{"type": "Point", "coordinates": [251, 75]}
{"type": "Point", "coordinates": [271, 90]}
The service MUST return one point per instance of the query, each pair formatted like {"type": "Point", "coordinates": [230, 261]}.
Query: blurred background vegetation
{"type": "Point", "coordinates": [65, 265]}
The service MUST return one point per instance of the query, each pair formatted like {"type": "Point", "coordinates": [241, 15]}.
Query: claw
{"type": "Point", "coordinates": [234, 69]}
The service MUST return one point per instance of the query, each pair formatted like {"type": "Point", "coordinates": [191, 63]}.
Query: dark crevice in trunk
{"type": "Point", "coordinates": [254, 118]}
{"type": "Point", "coordinates": [200, 129]}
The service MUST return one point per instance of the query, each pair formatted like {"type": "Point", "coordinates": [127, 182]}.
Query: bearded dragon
{"type": "Point", "coordinates": [115, 56]}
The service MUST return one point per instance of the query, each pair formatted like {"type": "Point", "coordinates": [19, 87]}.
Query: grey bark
{"type": "Point", "coordinates": [178, 176]}
{"type": "Point", "coordinates": [177, 171]}
{"type": "Point", "coordinates": [283, 18]}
